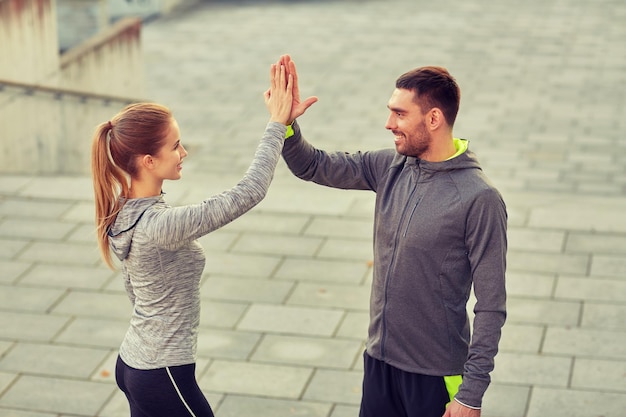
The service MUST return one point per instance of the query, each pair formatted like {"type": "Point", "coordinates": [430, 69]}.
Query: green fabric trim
{"type": "Point", "coordinates": [290, 132]}
{"type": "Point", "coordinates": [460, 145]}
{"type": "Point", "coordinates": [453, 382]}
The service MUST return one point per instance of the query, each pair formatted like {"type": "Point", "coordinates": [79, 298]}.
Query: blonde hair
{"type": "Point", "coordinates": [138, 129]}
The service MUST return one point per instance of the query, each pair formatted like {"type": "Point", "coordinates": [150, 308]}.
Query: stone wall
{"type": "Point", "coordinates": [28, 40]}
{"type": "Point", "coordinates": [79, 20]}
{"type": "Point", "coordinates": [108, 63]}
{"type": "Point", "coordinates": [51, 103]}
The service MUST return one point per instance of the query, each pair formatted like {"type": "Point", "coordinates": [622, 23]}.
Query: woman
{"type": "Point", "coordinates": [161, 261]}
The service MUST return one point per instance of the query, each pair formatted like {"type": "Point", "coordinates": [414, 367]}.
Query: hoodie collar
{"type": "Point", "coordinates": [131, 212]}
{"type": "Point", "coordinates": [462, 159]}
{"type": "Point", "coordinates": [123, 229]}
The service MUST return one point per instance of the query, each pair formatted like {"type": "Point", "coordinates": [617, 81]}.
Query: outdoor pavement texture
{"type": "Point", "coordinates": [285, 290]}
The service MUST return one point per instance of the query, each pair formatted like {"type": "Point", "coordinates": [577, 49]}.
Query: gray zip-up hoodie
{"type": "Point", "coordinates": [162, 262]}
{"type": "Point", "coordinates": [438, 228]}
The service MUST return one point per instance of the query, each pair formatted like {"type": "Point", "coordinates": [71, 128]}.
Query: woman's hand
{"type": "Point", "coordinates": [279, 97]}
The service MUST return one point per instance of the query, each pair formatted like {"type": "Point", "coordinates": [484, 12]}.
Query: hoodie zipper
{"type": "Point", "coordinates": [406, 228]}
{"type": "Point", "coordinates": [393, 258]}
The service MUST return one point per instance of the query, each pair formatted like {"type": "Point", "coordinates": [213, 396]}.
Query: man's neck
{"type": "Point", "coordinates": [441, 149]}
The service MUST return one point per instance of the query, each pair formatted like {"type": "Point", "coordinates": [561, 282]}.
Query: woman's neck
{"type": "Point", "coordinates": [143, 189]}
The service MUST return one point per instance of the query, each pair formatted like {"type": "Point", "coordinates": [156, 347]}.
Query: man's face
{"type": "Point", "coordinates": [408, 124]}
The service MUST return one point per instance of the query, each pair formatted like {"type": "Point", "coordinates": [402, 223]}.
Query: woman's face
{"type": "Point", "coordinates": [169, 160]}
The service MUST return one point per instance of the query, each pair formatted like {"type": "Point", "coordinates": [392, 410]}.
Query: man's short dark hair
{"type": "Point", "coordinates": [433, 87]}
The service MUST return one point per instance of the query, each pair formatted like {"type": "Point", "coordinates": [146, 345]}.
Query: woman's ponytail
{"type": "Point", "coordinates": [109, 182]}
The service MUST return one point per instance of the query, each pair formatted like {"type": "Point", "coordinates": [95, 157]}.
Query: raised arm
{"type": "Point", "coordinates": [193, 221]}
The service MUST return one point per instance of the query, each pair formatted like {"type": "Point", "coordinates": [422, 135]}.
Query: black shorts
{"type": "Point", "coordinates": [391, 392]}
{"type": "Point", "coordinates": [165, 392]}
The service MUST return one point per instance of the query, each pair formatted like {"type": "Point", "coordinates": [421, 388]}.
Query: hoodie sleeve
{"type": "Point", "coordinates": [354, 171]}
{"type": "Point", "coordinates": [487, 243]}
{"type": "Point", "coordinates": [173, 226]}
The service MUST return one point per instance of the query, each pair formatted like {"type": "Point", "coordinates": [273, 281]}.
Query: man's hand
{"type": "Point", "coordinates": [456, 409]}
{"type": "Point", "coordinates": [298, 107]}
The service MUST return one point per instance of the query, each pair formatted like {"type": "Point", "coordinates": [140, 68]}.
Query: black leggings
{"type": "Point", "coordinates": [166, 392]}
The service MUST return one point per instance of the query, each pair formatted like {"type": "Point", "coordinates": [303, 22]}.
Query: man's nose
{"type": "Point", "coordinates": [391, 124]}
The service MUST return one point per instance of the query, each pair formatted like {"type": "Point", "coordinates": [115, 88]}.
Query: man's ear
{"type": "Point", "coordinates": [435, 118]}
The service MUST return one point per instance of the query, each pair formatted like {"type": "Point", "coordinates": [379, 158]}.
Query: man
{"type": "Point", "coordinates": [439, 228]}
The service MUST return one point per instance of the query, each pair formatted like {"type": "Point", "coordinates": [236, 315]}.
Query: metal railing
{"type": "Point", "coordinates": [58, 92]}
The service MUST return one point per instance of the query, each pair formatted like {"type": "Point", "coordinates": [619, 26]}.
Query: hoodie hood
{"type": "Point", "coordinates": [123, 229]}
{"type": "Point", "coordinates": [465, 159]}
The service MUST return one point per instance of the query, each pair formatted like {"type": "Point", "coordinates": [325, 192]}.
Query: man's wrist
{"type": "Point", "coordinates": [465, 405]}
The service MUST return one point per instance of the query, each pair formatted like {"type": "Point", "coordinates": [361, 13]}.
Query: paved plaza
{"type": "Point", "coordinates": [286, 287]}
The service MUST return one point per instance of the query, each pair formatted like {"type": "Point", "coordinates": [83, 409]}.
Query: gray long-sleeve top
{"type": "Point", "coordinates": [439, 227]}
{"type": "Point", "coordinates": [162, 262]}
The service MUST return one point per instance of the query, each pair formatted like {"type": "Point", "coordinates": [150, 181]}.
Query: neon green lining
{"type": "Point", "coordinates": [290, 132]}
{"type": "Point", "coordinates": [460, 145]}
{"type": "Point", "coordinates": [453, 382]}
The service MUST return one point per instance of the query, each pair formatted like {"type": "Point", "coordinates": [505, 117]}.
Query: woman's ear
{"type": "Point", "coordinates": [147, 161]}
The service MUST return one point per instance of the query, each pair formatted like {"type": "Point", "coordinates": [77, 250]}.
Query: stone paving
{"type": "Point", "coordinates": [285, 290]}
